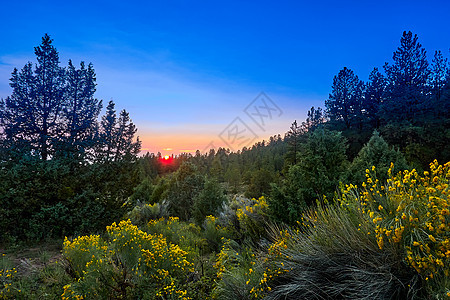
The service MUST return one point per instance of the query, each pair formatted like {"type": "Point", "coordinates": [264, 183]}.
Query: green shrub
{"type": "Point", "coordinates": [332, 256]}
{"type": "Point", "coordinates": [186, 235]}
{"type": "Point", "coordinates": [410, 214]}
{"type": "Point", "coordinates": [128, 263]}
{"type": "Point", "coordinates": [142, 213]}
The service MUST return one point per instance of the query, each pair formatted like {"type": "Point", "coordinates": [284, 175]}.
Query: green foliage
{"type": "Point", "coordinates": [45, 199]}
{"type": "Point", "coordinates": [409, 213]}
{"type": "Point", "coordinates": [323, 160]}
{"type": "Point", "coordinates": [315, 176]}
{"type": "Point", "coordinates": [246, 273]}
{"type": "Point", "coordinates": [184, 186]}
{"type": "Point", "coordinates": [143, 192]}
{"type": "Point", "coordinates": [375, 153]}
{"type": "Point", "coordinates": [287, 202]}
{"type": "Point", "coordinates": [51, 111]}
{"type": "Point", "coordinates": [142, 213]}
{"type": "Point", "coordinates": [61, 171]}
{"type": "Point", "coordinates": [233, 177]}
{"type": "Point", "coordinates": [160, 189]}
{"type": "Point", "coordinates": [345, 103]}
{"type": "Point", "coordinates": [115, 139]}
{"type": "Point", "coordinates": [408, 77]}
{"type": "Point", "coordinates": [214, 233]}
{"type": "Point", "coordinates": [292, 138]}
{"type": "Point", "coordinates": [186, 235]}
{"type": "Point", "coordinates": [233, 264]}
{"type": "Point", "coordinates": [129, 263]}
{"type": "Point", "coordinates": [332, 256]}
{"type": "Point", "coordinates": [260, 184]}
{"type": "Point", "coordinates": [244, 219]}
{"type": "Point", "coordinates": [208, 201]}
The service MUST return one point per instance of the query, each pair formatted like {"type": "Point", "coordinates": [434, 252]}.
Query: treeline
{"type": "Point", "coordinates": [400, 115]}
{"type": "Point", "coordinates": [409, 104]}
{"type": "Point", "coordinates": [65, 172]}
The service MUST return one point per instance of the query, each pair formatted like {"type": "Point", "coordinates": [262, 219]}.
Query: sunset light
{"type": "Point", "coordinates": [225, 150]}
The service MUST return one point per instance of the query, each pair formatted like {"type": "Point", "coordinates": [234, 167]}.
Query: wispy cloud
{"type": "Point", "coordinates": [176, 108]}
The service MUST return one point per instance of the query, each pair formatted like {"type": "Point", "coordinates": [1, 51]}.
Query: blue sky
{"type": "Point", "coordinates": [186, 69]}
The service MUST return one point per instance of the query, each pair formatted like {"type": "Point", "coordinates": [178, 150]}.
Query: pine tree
{"type": "Point", "coordinates": [293, 140]}
{"type": "Point", "coordinates": [81, 109]}
{"type": "Point", "coordinates": [33, 115]}
{"type": "Point", "coordinates": [375, 153]}
{"type": "Point", "coordinates": [116, 136]}
{"type": "Point", "coordinates": [440, 86]}
{"type": "Point", "coordinates": [374, 96]}
{"type": "Point", "coordinates": [52, 111]}
{"type": "Point", "coordinates": [439, 73]}
{"type": "Point", "coordinates": [314, 119]}
{"type": "Point", "coordinates": [407, 80]}
{"type": "Point", "coordinates": [208, 201]}
{"type": "Point", "coordinates": [344, 105]}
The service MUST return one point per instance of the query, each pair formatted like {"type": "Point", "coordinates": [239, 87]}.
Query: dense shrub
{"type": "Point", "coordinates": [127, 263]}
{"type": "Point", "coordinates": [8, 280]}
{"type": "Point", "coordinates": [375, 153]}
{"type": "Point", "coordinates": [208, 201]}
{"type": "Point", "coordinates": [410, 213]}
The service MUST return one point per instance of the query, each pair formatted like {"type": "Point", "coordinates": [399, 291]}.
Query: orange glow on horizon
{"type": "Point", "coordinates": [175, 143]}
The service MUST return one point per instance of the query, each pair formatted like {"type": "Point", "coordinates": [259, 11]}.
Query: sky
{"type": "Point", "coordinates": [207, 74]}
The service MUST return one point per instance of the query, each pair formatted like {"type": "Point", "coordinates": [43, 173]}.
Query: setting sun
{"type": "Point", "coordinates": [166, 157]}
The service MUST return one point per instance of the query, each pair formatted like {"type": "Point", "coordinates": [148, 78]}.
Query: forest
{"type": "Point", "coordinates": [351, 203]}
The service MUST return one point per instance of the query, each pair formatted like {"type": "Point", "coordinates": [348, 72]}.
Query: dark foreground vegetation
{"type": "Point", "coordinates": [346, 205]}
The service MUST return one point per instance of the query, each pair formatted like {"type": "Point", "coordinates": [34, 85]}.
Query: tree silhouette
{"type": "Point", "coordinates": [407, 80]}
{"type": "Point", "coordinates": [52, 113]}
{"type": "Point", "coordinates": [33, 116]}
{"type": "Point", "coordinates": [115, 137]}
{"type": "Point", "coordinates": [344, 105]}
{"type": "Point", "coordinates": [293, 140]}
{"type": "Point", "coordinates": [374, 96]}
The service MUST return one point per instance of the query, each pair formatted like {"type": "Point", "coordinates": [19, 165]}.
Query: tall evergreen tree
{"type": "Point", "coordinates": [407, 80]}
{"type": "Point", "coordinates": [440, 86]}
{"type": "Point", "coordinates": [344, 105]}
{"type": "Point", "coordinates": [374, 95]}
{"type": "Point", "coordinates": [52, 111]}
{"type": "Point", "coordinates": [32, 116]}
{"type": "Point", "coordinates": [375, 153]}
{"type": "Point", "coordinates": [116, 136]}
{"type": "Point", "coordinates": [293, 140]}
{"type": "Point", "coordinates": [439, 74]}
{"type": "Point", "coordinates": [81, 109]}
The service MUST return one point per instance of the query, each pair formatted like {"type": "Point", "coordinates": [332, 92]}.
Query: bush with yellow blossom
{"type": "Point", "coordinates": [8, 289]}
{"type": "Point", "coordinates": [245, 273]}
{"type": "Point", "coordinates": [127, 263]}
{"type": "Point", "coordinates": [410, 214]}
{"type": "Point", "coordinates": [253, 217]}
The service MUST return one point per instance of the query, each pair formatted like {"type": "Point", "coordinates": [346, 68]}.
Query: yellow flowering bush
{"type": "Point", "coordinates": [214, 233]}
{"type": "Point", "coordinates": [6, 283]}
{"type": "Point", "coordinates": [128, 262]}
{"type": "Point", "coordinates": [410, 212]}
{"type": "Point", "coordinates": [244, 275]}
{"type": "Point", "coordinates": [186, 235]}
{"type": "Point", "coordinates": [253, 217]}
{"type": "Point", "coordinates": [9, 288]}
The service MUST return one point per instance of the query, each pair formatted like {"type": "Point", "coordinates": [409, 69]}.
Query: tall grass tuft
{"type": "Point", "coordinates": [335, 256]}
